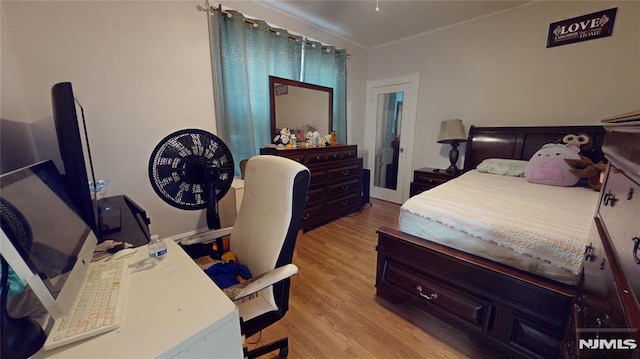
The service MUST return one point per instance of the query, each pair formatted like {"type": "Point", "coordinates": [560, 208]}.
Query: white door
{"type": "Point", "coordinates": [390, 127]}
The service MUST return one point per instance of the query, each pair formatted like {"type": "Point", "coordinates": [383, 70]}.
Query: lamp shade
{"type": "Point", "coordinates": [452, 131]}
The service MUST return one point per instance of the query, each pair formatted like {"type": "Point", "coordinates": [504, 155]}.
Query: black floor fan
{"type": "Point", "coordinates": [192, 169]}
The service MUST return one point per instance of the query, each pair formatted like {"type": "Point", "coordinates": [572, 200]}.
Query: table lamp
{"type": "Point", "coordinates": [452, 132]}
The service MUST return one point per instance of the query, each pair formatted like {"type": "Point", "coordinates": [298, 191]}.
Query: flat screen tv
{"type": "Point", "coordinates": [75, 152]}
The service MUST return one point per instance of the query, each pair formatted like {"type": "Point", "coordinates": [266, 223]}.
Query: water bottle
{"type": "Point", "coordinates": [157, 248]}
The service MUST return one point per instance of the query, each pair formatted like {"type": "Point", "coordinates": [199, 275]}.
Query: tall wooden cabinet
{"type": "Point", "coordinates": [336, 181]}
{"type": "Point", "coordinates": [607, 313]}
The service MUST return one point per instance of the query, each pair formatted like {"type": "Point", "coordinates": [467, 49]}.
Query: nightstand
{"type": "Point", "coordinates": [426, 178]}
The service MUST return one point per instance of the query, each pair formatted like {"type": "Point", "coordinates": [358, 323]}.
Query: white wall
{"type": "Point", "coordinates": [13, 109]}
{"type": "Point", "coordinates": [497, 71]}
{"type": "Point", "coordinates": [141, 69]}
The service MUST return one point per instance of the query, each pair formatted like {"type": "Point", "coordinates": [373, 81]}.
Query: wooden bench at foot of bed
{"type": "Point", "coordinates": [520, 314]}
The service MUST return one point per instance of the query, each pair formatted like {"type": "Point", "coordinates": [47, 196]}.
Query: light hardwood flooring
{"type": "Point", "coordinates": [333, 309]}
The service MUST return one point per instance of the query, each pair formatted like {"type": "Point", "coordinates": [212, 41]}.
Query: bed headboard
{"type": "Point", "coordinates": [521, 143]}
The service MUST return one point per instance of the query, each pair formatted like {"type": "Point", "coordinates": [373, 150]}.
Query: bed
{"type": "Point", "coordinates": [507, 267]}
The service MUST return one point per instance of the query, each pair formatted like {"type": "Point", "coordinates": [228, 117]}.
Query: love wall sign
{"type": "Point", "coordinates": [581, 28]}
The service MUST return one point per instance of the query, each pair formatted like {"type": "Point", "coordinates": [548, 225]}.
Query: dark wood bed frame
{"type": "Point", "coordinates": [520, 314]}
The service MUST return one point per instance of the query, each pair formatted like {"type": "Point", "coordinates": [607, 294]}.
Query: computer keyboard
{"type": "Point", "coordinates": [98, 307]}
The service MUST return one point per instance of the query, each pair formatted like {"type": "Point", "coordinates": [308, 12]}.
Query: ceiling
{"type": "Point", "coordinates": [359, 22]}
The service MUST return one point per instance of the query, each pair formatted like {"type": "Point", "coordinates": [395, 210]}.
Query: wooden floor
{"type": "Point", "coordinates": [334, 312]}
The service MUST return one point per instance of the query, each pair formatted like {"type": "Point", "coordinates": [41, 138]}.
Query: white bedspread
{"type": "Point", "coordinates": [545, 223]}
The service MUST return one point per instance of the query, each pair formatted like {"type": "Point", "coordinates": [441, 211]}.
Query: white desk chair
{"type": "Point", "coordinates": [263, 238]}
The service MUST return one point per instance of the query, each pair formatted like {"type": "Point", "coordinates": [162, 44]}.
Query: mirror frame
{"type": "Point", "coordinates": [272, 99]}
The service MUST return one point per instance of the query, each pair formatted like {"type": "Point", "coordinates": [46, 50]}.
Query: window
{"type": "Point", "coordinates": [245, 53]}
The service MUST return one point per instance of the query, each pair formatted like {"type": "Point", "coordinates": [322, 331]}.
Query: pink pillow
{"type": "Point", "coordinates": [548, 166]}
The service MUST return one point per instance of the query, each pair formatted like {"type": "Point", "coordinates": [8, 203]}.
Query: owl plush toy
{"type": "Point", "coordinates": [580, 140]}
{"type": "Point", "coordinates": [584, 167]}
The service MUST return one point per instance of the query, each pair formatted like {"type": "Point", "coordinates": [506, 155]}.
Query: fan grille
{"type": "Point", "coordinates": [185, 163]}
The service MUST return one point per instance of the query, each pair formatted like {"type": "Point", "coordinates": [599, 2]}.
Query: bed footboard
{"type": "Point", "coordinates": [521, 315]}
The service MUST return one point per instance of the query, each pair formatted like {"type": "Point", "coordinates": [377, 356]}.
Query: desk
{"type": "Point", "coordinates": [134, 224]}
{"type": "Point", "coordinates": [173, 311]}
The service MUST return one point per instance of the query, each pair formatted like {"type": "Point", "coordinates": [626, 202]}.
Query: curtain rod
{"type": "Point", "coordinates": [254, 24]}
{"type": "Point", "coordinates": [211, 8]}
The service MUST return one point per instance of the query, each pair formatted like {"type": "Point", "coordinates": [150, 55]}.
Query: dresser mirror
{"type": "Point", "coordinates": [297, 104]}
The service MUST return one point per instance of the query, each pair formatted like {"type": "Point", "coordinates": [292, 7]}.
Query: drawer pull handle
{"type": "Point", "coordinates": [345, 188]}
{"type": "Point", "coordinates": [602, 323]}
{"type": "Point", "coordinates": [602, 264]}
{"type": "Point", "coordinates": [345, 172]}
{"type": "Point", "coordinates": [306, 216]}
{"type": "Point", "coordinates": [636, 244]}
{"type": "Point", "coordinates": [630, 194]}
{"type": "Point", "coordinates": [609, 199]}
{"type": "Point", "coordinates": [588, 252]}
{"type": "Point", "coordinates": [431, 296]}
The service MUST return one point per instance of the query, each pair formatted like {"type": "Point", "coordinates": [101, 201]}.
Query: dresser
{"type": "Point", "coordinates": [335, 188]}
{"type": "Point", "coordinates": [606, 312]}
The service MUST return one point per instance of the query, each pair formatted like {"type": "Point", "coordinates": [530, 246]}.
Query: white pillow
{"type": "Point", "coordinates": [501, 166]}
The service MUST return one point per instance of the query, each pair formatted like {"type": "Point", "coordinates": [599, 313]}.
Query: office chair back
{"type": "Point", "coordinates": [264, 234]}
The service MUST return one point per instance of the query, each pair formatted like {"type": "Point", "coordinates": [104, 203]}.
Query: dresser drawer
{"type": "Point", "coordinates": [317, 178]}
{"type": "Point", "coordinates": [343, 188]}
{"type": "Point", "coordinates": [298, 157]}
{"type": "Point", "coordinates": [312, 212]}
{"type": "Point", "coordinates": [598, 305]}
{"type": "Point", "coordinates": [534, 338]}
{"type": "Point", "coordinates": [348, 154]}
{"type": "Point", "coordinates": [429, 180]}
{"type": "Point", "coordinates": [343, 202]}
{"type": "Point", "coordinates": [343, 172]}
{"type": "Point", "coordinates": [619, 208]}
{"type": "Point", "coordinates": [417, 188]}
{"type": "Point", "coordinates": [316, 194]}
{"type": "Point", "coordinates": [432, 292]}
{"type": "Point", "coordinates": [334, 156]}
{"type": "Point", "coordinates": [316, 157]}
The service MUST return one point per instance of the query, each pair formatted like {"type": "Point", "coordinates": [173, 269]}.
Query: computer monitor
{"type": "Point", "coordinates": [45, 242]}
{"type": "Point", "coordinates": [73, 142]}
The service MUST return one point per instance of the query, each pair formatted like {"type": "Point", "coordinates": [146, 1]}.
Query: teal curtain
{"type": "Point", "coordinates": [326, 66]}
{"type": "Point", "coordinates": [245, 54]}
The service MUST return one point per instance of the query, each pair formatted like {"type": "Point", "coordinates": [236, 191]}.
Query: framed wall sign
{"type": "Point", "coordinates": [581, 28]}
